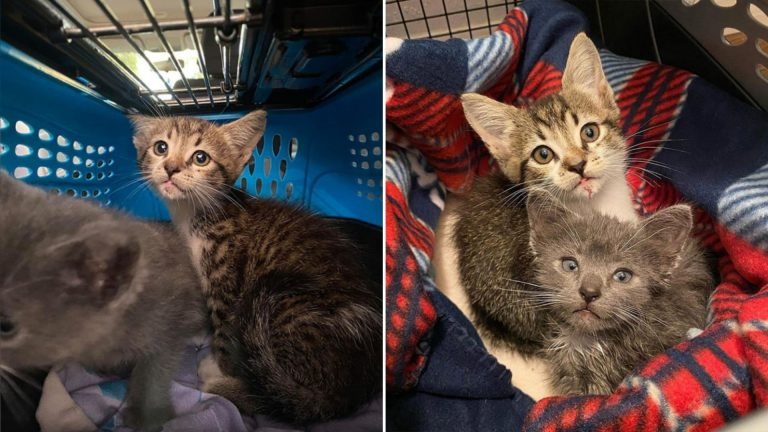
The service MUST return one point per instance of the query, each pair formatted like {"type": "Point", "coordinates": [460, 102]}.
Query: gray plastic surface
{"type": "Point", "coordinates": [741, 58]}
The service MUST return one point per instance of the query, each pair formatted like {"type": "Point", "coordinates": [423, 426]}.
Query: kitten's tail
{"type": "Point", "coordinates": [309, 352]}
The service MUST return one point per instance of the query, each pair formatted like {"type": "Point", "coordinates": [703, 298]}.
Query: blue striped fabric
{"type": "Point", "coordinates": [618, 70]}
{"type": "Point", "coordinates": [398, 169]}
{"type": "Point", "coordinates": [488, 58]}
{"type": "Point", "coordinates": [743, 207]}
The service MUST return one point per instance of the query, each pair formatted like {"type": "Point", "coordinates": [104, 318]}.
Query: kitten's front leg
{"type": "Point", "coordinates": [208, 372]}
{"type": "Point", "coordinates": [149, 403]}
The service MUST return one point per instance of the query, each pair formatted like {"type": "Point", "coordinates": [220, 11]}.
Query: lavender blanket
{"type": "Point", "coordinates": [77, 400]}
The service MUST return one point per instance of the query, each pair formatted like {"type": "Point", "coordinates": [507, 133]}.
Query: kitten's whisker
{"type": "Point", "coordinates": [648, 171]}
{"type": "Point", "coordinates": [27, 283]}
{"type": "Point", "coordinates": [14, 387]}
{"type": "Point", "coordinates": [634, 145]}
{"type": "Point", "coordinates": [537, 296]}
{"type": "Point", "coordinates": [518, 197]}
{"type": "Point", "coordinates": [131, 183]}
{"type": "Point", "coordinates": [219, 193]}
{"type": "Point", "coordinates": [21, 376]}
{"type": "Point", "coordinates": [652, 162]}
{"type": "Point", "coordinates": [650, 236]}
{"type": "Point", "coordinates": [530, 283]}
{"type": "Point", "coordinates": [212, 195]}
{"type": "Point", "coordinates": [641, 321]}
{"type": "Point", "coordinates": [240, 190]}
{"type": "Point", "coordinates": [647, 129]}
{"type": "Point", "coordinates": [136, 190]}
{"type": "Point", "coordinates": [128, 184]}
{"type": "Point", "coordinates": [637, 147]}
{"type": "Point", "coordinates": [18, 407]}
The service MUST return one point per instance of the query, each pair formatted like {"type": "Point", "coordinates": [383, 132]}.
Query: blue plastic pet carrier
{"type": "Point", "coordinates": [70, 70]}
{"type": "Point", "coordinates": [323, 150]}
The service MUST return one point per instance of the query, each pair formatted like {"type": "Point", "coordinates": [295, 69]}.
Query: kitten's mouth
{"type": "Point", "coordinates": [170, 189]}
{"type": "Point", "coordinates": [587, 184]}
{"type": "Point", "coordinates": [586, 313]}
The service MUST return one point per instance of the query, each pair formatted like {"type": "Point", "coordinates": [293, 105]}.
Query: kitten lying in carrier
{"type": "Point", "coordinates": [83, 284]}
{"type": "Point", "coordinates": [297, 324]}
{"type": "Point", "coordinates": [618, 293]}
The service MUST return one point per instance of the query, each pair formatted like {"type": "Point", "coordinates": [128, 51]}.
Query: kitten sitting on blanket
{"type": "Point", "coordinates": [569, 144]}
{"type": "Point", "coordinates": [83, 284]}
{"type": "Point", "coordinates": [618, 293]}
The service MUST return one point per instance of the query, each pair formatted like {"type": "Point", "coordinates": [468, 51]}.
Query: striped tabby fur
{"type": "Point", "coordinates": [297, 324]}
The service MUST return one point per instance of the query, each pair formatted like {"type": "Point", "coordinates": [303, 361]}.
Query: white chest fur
{"type": "Point", "coordinates": [182, 218]}
{"type": "Point", "coordinates": [616, 200]}
{"type": "Point", "coordinates": [196, 247]}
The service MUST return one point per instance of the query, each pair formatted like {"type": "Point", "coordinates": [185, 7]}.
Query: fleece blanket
{"type": "Point", "coordinates": [78, 400]}
{"type": "Point", "coordinates": [707, 148]}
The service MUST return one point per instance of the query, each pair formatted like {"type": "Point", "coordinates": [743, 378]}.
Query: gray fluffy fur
{"type": "Point", "coordinates": [592, 351]}
{"type": "Point", "coordinates": [88, 285]}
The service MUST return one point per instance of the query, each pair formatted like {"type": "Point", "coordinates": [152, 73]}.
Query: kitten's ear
{"type": "Point", "coordinates": [669, 229]}
{"type": "Point", "coordinates": [141, 126]}
{"type": "Point", "coordinates": [584, 72]}
{"type": "Point", "coordinates": [101, 265]}
{"type": "Point", "coordinates": [545, 214]}
{"type": "Point", "coordinates": [492, 120]}
{"type": "Point", "coordinates": [245, 132]}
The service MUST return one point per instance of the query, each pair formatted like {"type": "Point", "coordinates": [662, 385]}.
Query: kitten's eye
{"type": "Point", "coordinates": [543, 154]}
{"type": "Point", "coordinates": [622, 276]}
{"type": "Point", "coordinates": [161, 148]}
{"type": "Point", "coordinates": [7, 328]}
{"type": "Point", "coordinates": [201, 158]}
{"type": "Point", "coordinates": [570, 264]}
{"type": "Point", "coordinates": [590, 132]}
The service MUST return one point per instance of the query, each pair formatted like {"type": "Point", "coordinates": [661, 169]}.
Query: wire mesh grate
{"type": "Point", "coordinates": [445, 19]}
{"type": "Point", "coordinates": [160, 77]}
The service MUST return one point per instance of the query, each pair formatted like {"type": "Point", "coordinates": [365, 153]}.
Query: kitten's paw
{"type": "Point", "coordinates": [693, 332]}
{"type": "Point", "coordinates": [236, 392]}
{"type": "Point", "coordinates": [209, 373]}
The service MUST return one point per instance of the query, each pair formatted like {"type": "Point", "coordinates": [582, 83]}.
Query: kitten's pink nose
{"type": "Point", "coordinates": [171, 169]}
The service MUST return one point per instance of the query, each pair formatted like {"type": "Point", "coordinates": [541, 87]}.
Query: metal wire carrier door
{"type": "Point", "coordinates": [444, 19]}
{"type": "Point", "coordinates": [180, 56]}
{"type": "Point", "coordinates": [232, 35]}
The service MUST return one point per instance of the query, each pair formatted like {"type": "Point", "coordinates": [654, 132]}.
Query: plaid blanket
{"type": "Point", "coordinates": [709, 149]}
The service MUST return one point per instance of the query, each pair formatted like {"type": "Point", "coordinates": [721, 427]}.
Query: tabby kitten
{"type": "Point", "coordinates": [297, 326]}
{"type": "Point", "coordinates": [87, 285]}
{"type": "Point", "coordinates": [619, 293]}
{"type": "Point", "coordinates": [569, 143]}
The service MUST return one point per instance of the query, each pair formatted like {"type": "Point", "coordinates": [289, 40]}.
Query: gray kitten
{"type": "Point", "coordinates": [618, 293]}
{"type": "Point", "coordinates": [83, 284]}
